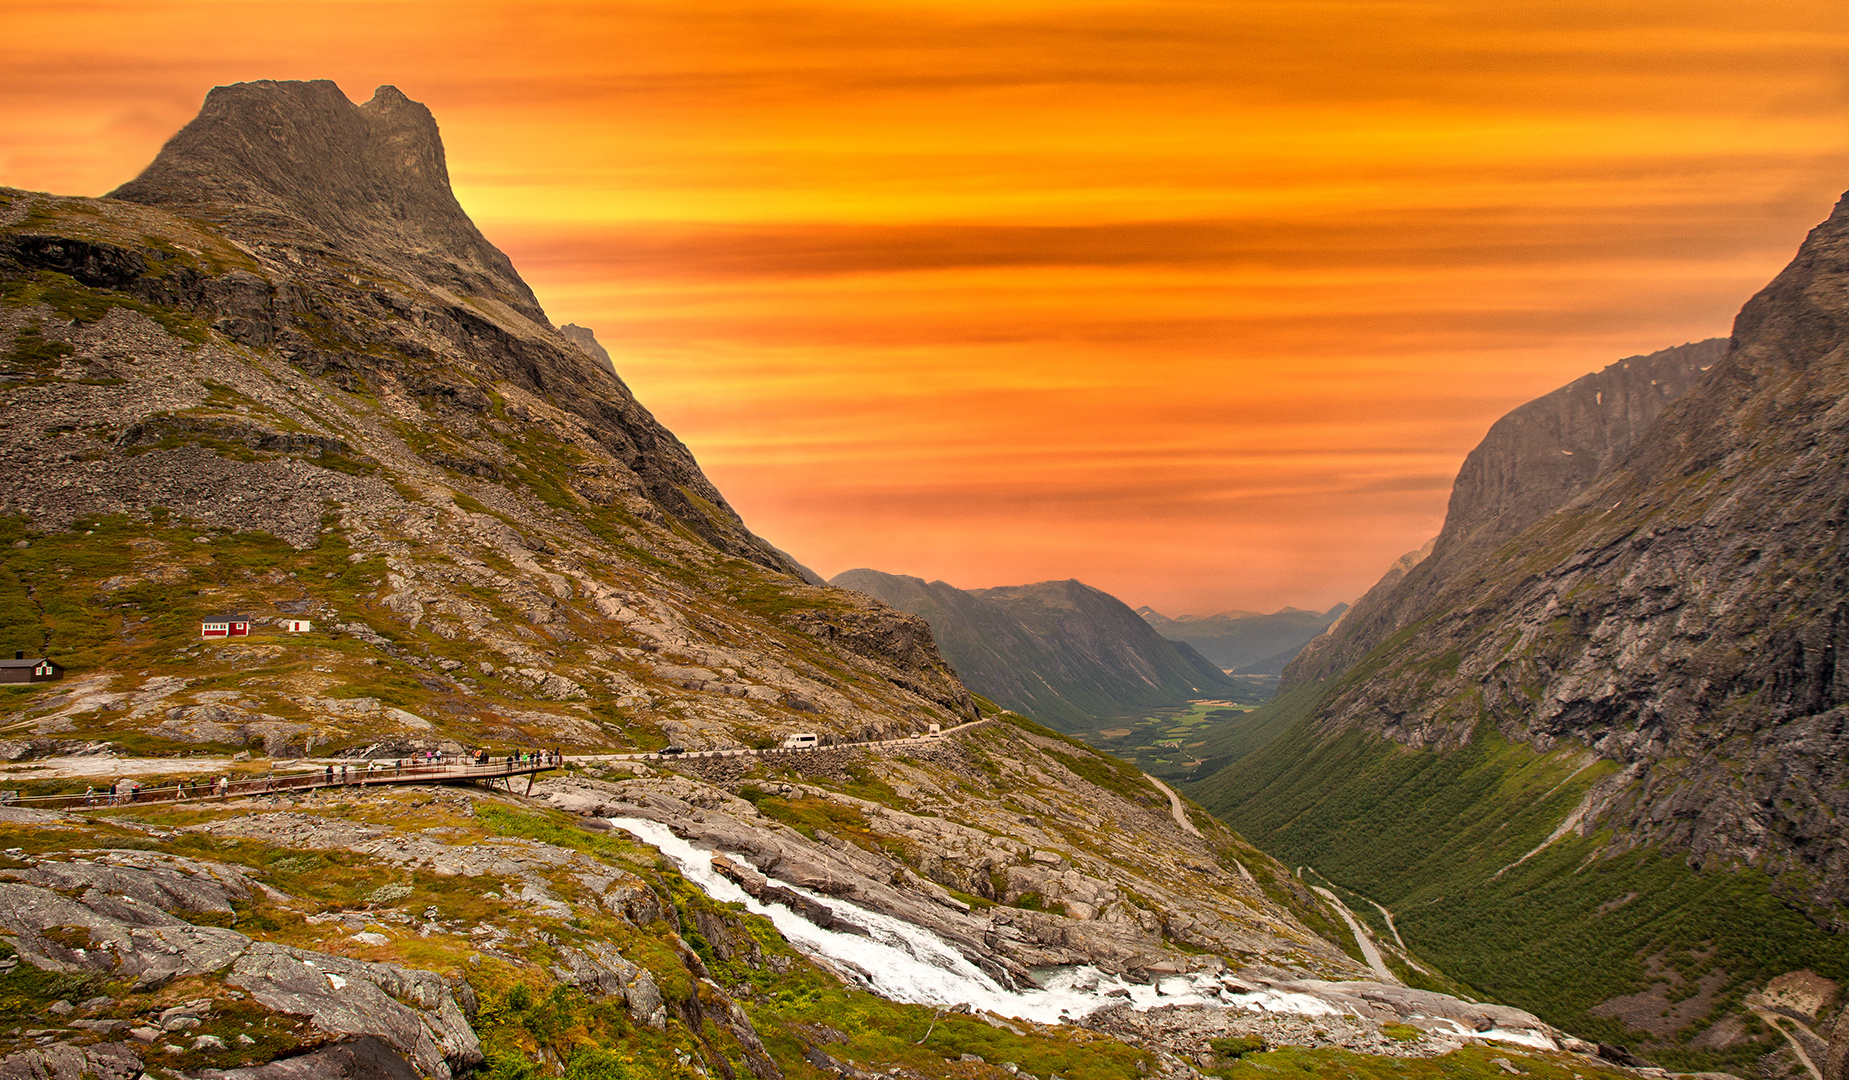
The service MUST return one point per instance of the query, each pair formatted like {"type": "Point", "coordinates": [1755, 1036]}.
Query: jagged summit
{"type": "Point", "coordinates": [371, 177]}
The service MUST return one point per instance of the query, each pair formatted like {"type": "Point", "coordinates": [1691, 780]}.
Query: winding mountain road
{"type": "Point", "coordinates": [1175, 808]}
{"type": "Point", "coordinates": [1375, 962]}
{"type": "Point", "coordinates": [1777, 1022]}
{"type": "Point", "coordinates": [1388, 915]}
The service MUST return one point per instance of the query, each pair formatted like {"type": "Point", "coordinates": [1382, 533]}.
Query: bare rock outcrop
{"type": "Point", "coordinates": [120, 915]}
{"type": "Point", "coordinates": [367, 1057]}
{"type": "Point", "coordinates": [61, 1061]}
{"type": "Point", "coordinates": [1090, 916]}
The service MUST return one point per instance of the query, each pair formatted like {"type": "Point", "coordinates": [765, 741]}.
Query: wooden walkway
{"type": "Point", "coordinates": [364, 774]}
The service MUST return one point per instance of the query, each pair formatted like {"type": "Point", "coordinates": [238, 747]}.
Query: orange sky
{"type": "Point", "coordinates": [1200, 302]}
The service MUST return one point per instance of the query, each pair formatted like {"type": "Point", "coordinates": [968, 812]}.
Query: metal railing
{"type": "Point", "coordinates": [367, 774]}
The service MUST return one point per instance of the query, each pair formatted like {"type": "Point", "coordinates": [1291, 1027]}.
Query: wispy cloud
{"type": "Point", "coordinates": [1201, 301]}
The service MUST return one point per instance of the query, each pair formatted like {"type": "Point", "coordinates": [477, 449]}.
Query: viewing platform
{"type": "Point", "coordinates": [351, 775]}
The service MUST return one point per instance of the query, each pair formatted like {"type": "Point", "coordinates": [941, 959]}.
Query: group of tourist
{"type": "Point", "coordinates": [119, 792]}
{"type": "Point", "coordinates": [129, 790]}
{"type": "Point", "coordinates": [519, 758]}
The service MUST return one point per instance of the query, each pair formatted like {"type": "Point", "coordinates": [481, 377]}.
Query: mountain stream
{"type": "Point", "coordinates": [907, 963]}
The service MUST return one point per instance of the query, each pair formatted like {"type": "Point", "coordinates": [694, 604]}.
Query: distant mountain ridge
{"type": "Point", "coordinates": [1059, 651]}
{"type": "Point", "coordinates": [1245, 641]}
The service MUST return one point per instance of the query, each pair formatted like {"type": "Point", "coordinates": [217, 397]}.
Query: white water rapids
{"type": "Point", "coordinates": [907, 963]}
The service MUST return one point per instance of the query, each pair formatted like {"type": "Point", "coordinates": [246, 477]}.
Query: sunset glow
{"type": "Point", "coordinates": [1202, 303]}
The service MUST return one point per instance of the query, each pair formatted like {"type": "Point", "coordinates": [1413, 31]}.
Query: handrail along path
{"type": "Point", "coordinates": [308, 780]}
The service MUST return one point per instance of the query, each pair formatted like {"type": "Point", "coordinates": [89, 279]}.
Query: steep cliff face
{"type": "Point", "coordinates": [1681, 613]}
{"type": "Point", "coordinates": [1060, 651]}
{"type": "Point", "coordinates": [340, 245]}
{"type": "Point", "coordinates": [1532, 462]}
{"type": "Point", "coordinates": [370, 181]}
{"type": "Point", "coordinates": [1610, 686]}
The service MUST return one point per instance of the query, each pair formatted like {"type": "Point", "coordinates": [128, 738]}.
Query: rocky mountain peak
{"type": "Point", "coordinates": [585, 338]}
{"type": "Point", "coordinates": [1545, 452]}
{"type": "Point", "coordinates": [371, 178]}
{"type": "Point", "coordinates": [1535, 460]}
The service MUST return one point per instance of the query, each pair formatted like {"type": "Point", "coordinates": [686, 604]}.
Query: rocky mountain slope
{"type": "Point", "coordinates": [1601, 728]}
{"type": "Point", "coordinates": [282, 375]}
{"type": "Point", "coordinates": [1245, 641]}
{"type": "Point", "coordinates": [1060, 651]}
{"type": "Point", "coordinates": [251, 400]}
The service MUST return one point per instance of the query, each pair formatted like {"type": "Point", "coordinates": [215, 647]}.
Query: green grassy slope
{"type": "Point", "coordinates": [1439, 838]}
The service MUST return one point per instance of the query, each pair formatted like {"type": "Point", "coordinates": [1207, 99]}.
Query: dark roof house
{"type": "Point", "coordinates": [23, 669]}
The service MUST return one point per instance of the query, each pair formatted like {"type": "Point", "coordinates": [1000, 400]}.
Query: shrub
{"type": "Point", "coordinates": [1238, 1046]}
{"type": "Point", "coordinates": [595, 1064]}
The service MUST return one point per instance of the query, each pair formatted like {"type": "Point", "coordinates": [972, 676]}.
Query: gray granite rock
{"type": "Point", "coordinates": [123, 923]}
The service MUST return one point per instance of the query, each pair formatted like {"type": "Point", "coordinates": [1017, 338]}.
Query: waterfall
{"type": "Point", "coordinates": [908, 963]}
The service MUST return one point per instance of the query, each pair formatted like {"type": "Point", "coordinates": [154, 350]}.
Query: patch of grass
{"type": "Point", "coordinates": [84, 304]}
{"type": "Point", "coordinates": [1468, 1063]}
{"type": "Point", "coordinates": [33, 354]}
{"type": "Point", "coordinates": [26, 991]}
{"type": "Point", "coordinates": [806, 815]}
{"type": "Point", "coordinates": [558, 830]}
{"type": "Point", "coordinates": [1112, 774]}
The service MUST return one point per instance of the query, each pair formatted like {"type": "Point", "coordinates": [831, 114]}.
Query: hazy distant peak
{"type": "Point", "coordinates": [1061, 650]}
{"type": "Point", "coordinates": [860, 578]}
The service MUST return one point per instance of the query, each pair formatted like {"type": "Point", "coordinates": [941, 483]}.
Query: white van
{"type": "Point", "coordinates": [801, 740]}
{"type": "Point", "coordinates": [933, 731]}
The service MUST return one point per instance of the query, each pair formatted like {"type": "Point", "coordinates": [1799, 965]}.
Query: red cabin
{"type": "Point", "coordinates": [225, 626]}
